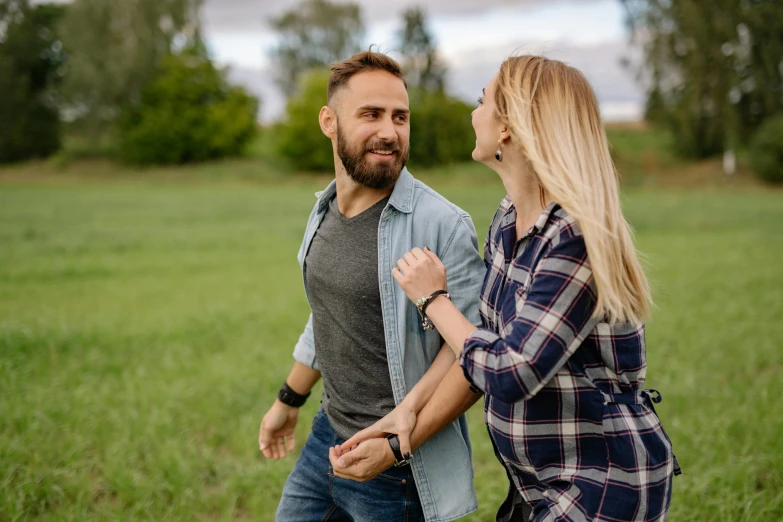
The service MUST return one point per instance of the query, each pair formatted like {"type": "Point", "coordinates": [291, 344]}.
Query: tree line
{"type": "Point", "coordinates": [714, 75]}
{"type": "Point", "coordinates": [134, 76]}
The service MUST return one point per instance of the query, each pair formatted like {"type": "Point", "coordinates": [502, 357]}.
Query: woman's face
{"type": "Point", "coordinates": [486, 126]}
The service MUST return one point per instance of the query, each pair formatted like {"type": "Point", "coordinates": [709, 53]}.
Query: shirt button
{"type": "Point", "coordinates": [404, 481]}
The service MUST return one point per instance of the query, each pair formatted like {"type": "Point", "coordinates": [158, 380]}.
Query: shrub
{"type": "Point", "coordinates": [187, 113]}
{"type": "Point", "coordinates": [766, 150]}
{"type": "Point", "coordinates": [300, 139]}
{"type": "Point", "coordinates": [441, 130]}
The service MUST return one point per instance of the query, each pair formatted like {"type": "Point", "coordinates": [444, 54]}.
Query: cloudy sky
{"type": "Point", "coordinates": [473, 36]}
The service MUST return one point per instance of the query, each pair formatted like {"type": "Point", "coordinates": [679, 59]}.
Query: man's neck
{"type": "Point", "coordinates": [353, 199]}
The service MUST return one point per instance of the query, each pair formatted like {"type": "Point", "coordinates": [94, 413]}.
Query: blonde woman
{"type": "Point", "coordinates": [561, 357]}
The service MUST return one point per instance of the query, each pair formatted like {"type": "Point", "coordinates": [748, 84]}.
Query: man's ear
{"type": "Point", "coordinates": [328, 121]}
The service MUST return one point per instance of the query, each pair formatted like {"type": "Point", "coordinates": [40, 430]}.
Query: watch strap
{"type": "Point", "coordinates": [399, 458]}
{"type": "Point", "coordinates": [288, 396]}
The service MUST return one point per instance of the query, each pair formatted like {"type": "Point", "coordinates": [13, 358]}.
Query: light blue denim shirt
{"type": "Point", "coordinates": [417, 216]}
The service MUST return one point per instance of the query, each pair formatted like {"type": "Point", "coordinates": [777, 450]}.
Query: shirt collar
{"type": "Point", "coordinates": [510, 215]}
{"type": "Point", "coordinates": [401, 197]}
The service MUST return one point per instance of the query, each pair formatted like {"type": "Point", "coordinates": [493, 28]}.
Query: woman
{"type": "Point", "coordinates": [561, 354]}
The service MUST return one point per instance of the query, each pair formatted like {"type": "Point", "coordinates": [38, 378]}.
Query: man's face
{"type": "Point", "coordinates": [373, 128]}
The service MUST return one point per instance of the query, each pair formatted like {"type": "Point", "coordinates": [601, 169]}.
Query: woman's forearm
{"type": "Point", "coordinates": [423, 390]}
{"type": "Point", "coordinates": [451, 399]}
{"type": "Point", "coordinates": [452, 325]}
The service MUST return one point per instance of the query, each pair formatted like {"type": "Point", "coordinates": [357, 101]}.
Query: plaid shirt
{"type": "Point", "coordinates": [563, 388]}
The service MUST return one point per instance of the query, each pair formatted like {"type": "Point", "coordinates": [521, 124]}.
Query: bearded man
{"type": "Point", "coordinates": [363, 336]}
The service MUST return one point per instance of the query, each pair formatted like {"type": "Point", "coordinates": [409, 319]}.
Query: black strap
{"type": "Point", "coordinates": [288, 396]}
{"type": "Point", "coordinates": [400, 459]}
{"type": "Point", "coordinates": [432, 297]}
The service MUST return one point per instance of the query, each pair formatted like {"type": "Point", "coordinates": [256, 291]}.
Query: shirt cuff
{"type": "Point", "coordinates": [473, 354]}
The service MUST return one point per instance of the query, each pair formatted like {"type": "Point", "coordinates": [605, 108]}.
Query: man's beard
{"type": "Point", "coordinates": [362, 171]}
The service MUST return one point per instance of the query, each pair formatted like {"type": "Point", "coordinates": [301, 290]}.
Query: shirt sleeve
{"type": "Point", "coordinates": [551, 322]}
{"type": "Point", "coordinates": [304, 351]}
{"type": "Point", "coordinates": [464, 269]}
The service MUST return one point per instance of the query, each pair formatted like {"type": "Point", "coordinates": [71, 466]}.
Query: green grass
{"type": "Point", "coordinates": [146, 325]}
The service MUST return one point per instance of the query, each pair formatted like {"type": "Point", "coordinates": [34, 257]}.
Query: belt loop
{"type": "Point", "coordinates": [654, 395]}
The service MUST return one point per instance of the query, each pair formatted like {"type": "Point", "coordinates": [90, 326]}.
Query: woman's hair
{"type": "Point", "coordinates": [553, 117]}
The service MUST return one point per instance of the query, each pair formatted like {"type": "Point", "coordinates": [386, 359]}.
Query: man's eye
{"type": "Point", "coordinates": [480, 100]}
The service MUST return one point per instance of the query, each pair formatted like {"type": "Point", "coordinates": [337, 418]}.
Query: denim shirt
{"type": "Point", "coordinates": [417, 216]}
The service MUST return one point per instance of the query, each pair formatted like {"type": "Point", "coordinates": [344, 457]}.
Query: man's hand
{"type": "Point", "coordinates": [277, 430]}
{"type": "Point", "coordinates": [365, 462]}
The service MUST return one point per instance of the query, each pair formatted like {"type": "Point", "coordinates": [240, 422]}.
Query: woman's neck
{"type": "Point", "coordinates": [524, 192]}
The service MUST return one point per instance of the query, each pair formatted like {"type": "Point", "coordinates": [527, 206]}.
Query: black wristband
{"type": "Point", "coordinates": [399, 458]}
{"type": "Point", "coordinates": [289, 397]}
{"type": "Point", "coordinates": [436, 293]}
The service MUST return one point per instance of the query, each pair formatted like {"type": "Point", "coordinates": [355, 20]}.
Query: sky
{"type": "Point", "coordinates": [473, 38]}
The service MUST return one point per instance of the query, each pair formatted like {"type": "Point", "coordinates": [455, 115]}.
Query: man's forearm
{"type": "Point", "coordinates": [452, 398]}
{"type": "Point", "coordinates": [302, 378]}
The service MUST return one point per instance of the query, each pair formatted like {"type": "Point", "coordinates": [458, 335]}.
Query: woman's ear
{"type": "Point", "coordinates": [505, 135]}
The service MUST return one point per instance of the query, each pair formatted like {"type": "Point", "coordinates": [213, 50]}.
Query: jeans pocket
{"type": "Point", "coordinates": [396, 475]}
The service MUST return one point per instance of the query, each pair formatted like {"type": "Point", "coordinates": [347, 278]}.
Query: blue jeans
{"type": "Point", "coordinates": [312, 492]}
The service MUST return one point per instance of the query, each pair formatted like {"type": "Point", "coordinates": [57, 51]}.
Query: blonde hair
{"type": "Point", "coordinates": [553, 117]}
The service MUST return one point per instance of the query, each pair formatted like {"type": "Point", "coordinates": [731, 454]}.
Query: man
{"type": "Point", "coordinates": [364, 337]}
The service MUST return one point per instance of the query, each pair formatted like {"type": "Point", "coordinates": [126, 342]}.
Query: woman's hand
{"type": "Point", "coordinates": [401, 421]}
{"type": "Point", "coordinates": [419, 274]}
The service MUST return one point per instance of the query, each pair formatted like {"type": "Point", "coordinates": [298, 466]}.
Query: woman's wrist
{"type": "Point", "coordinates": [413, 402]}
{"type": "Point", "coordinates": [452, 325]}
{"type": "Point", "coordinates": [438, 306]}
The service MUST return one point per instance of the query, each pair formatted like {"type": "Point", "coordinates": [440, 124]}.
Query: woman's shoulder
{"type": "Point", "coordinates": [560, 227]}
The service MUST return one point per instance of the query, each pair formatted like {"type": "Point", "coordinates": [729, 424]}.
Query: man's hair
{"type": "Point", "coordinates": [358, 63]}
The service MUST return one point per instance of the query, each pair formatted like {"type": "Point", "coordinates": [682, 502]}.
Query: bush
{"type": "Point", "coordinates": [766, 150]}
{"type": "Point", "coordinates": [441, 130]}
{"type": "Point", "coordinates": [300, 139]}
{"type": "Point", "coordinates": [187, 113]}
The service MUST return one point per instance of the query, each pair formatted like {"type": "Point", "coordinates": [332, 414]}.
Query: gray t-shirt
{"type": "Point", "coordinates": [345, 298]}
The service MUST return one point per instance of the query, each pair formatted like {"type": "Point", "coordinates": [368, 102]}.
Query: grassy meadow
{"type": "Point", "coordinates": [147, 320]}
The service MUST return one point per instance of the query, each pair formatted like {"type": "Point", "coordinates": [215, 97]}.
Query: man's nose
{"type": "Point", "coordinates": [387, 131]}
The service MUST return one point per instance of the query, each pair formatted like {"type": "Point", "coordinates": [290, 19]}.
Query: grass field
{"type": "Point", "coordinates": [146, 325]}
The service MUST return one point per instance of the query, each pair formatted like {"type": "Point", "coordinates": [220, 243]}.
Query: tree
{"type": "Point", "coordinates": [187, 113]}
{"type": "Point", "coordinates": [31, 67]}
{"type": "Point", "coordinates": [423, 69]}
{"type": "Point", "coordinates": [712, 69]}
{"type": "Point", "coordinates": [115, 47]}
{"type": "Point", "coordinates": [300, 138]}
{"type": "Point", "coordinates": [315, 34]}
{"type": "Point", "coordinates": [441, 130]}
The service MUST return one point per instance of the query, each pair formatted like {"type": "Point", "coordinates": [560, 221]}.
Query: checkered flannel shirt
{"type": "Point", "coordinates": [563, 388]}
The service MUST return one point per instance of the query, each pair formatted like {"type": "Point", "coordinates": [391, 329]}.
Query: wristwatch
{"type": "Point", "coordinates": [399, 458]}
{"type": "Point", "coordinates": [423, 302]}
{"type": "Point", "coordinates": [288, 396]}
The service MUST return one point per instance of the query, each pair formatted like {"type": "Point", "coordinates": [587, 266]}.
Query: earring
{"type": "Point", "coordinates": [499, 152]}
